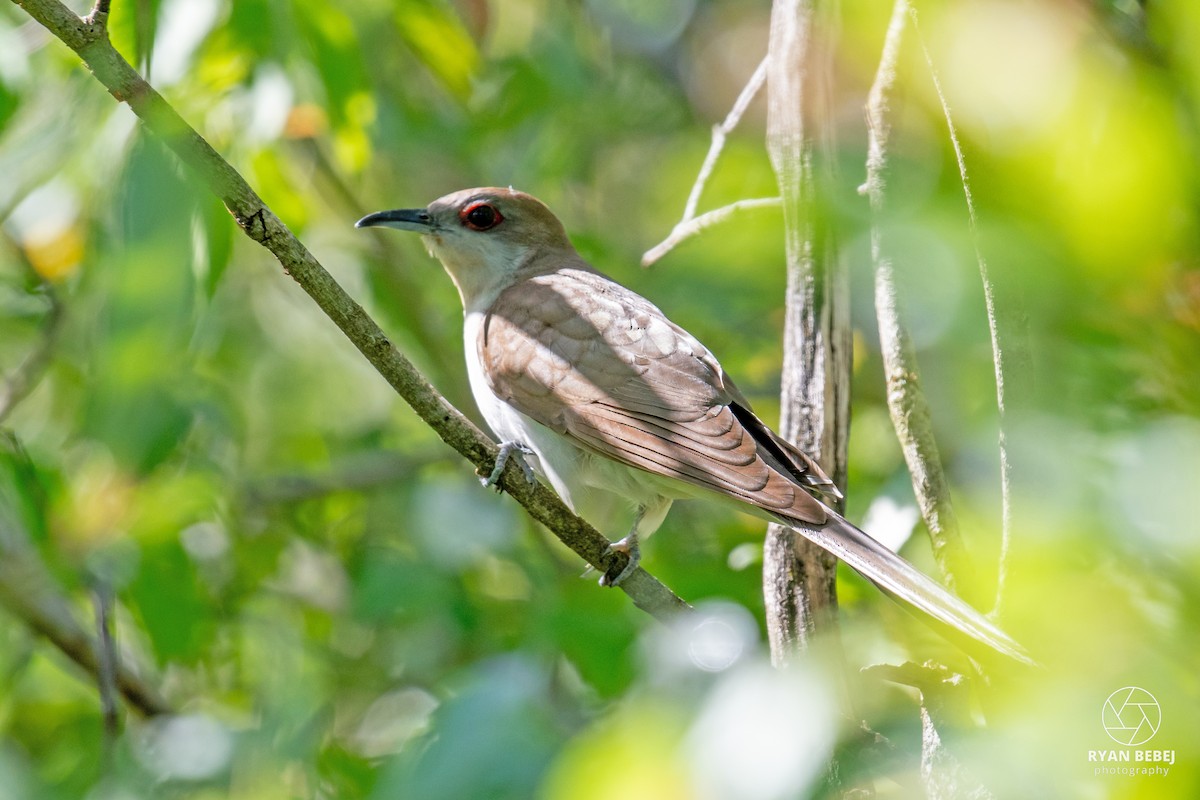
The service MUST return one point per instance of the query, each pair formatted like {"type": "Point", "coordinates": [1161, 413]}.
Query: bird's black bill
{"type": "Point", "coordinates": [405, 219]}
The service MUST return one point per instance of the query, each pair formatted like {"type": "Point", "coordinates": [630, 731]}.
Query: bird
{"type": "Point", "coordinates": [621, 410]}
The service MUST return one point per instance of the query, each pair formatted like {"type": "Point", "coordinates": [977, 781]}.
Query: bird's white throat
{"type": "Point", "coordinates": [480, 270]}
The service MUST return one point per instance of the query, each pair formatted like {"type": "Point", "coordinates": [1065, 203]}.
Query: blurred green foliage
{"type": "Point", "coordinates": [323, 591]}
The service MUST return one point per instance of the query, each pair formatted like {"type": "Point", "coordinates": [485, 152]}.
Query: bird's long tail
{"type": "Point", "coordinates": [906, 583]}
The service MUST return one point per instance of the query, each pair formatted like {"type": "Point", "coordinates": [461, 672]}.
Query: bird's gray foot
{"type": "Point", "coordinates": [514, 450]}
{"type": "Point", "coordinates": [629, 546]}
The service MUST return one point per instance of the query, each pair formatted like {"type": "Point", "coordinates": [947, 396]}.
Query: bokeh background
{"type": "Point", "coordinates": [322, 589]}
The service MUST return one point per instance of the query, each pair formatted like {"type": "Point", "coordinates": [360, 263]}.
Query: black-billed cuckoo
{"type": "Point", "coordinates": [621, 409]}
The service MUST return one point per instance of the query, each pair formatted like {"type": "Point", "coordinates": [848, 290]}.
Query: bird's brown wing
{"type": "Point", "coordinates": [598, 363]}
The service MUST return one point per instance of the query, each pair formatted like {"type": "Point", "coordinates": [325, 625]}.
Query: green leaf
{"type": "Point", "coordinates": [131, 27]}
{"type": "Point", "coordinates": [338, 55]}
{"type": "Point", "coordinates": [22, 490]}
{"type": "Point", "coordinates": [252, 24]}
{"type": "Point", "coordinates": [218, 238]}
{"type": "Point", "coordinates": [168, 598]}
{"type": "Point", "coordinates": [142, 426]}
{"type": "Point", "coordinates": [9, 100]}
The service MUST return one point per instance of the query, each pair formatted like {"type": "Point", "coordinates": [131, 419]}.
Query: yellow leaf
{"type": "Point", "coordinates": [55, 255]}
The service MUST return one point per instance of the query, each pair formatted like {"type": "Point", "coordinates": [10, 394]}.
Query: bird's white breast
{"type": "Point", "coordinates": [554, 452]}
{"type": "Point", "coordinates": [601, 490]}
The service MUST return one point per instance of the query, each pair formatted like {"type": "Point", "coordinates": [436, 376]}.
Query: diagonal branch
{"type": "Point", "coordinates": [401, 283]}
{"type": "Point", "coordinates": [906, 401]}
{"type": "Point", "coordinates": [25, 592]}
{"type": "Point", "coordinates": [258, 222]}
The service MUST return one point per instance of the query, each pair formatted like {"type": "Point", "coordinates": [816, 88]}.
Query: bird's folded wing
{"type": "Point", "coordinates": [600, 364]}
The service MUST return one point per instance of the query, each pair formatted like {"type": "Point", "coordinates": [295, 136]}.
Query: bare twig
{"type": "Point", "coordinates": [99, 14]}
{"type": "Point", "coordinates": [799, 579]}
{"type": "Point", "coordinates": [260, 223]}
{"type": "Point", "coordinates": [689, 225]}
{"type": "Point", "coordinates": [696, 225]}
{"type": "Point", "coordinates": [106, 661]}
{"type": "Point", "coordinates": [720, 133]}
{"type": "Point", "coordinates": [906, 401]}
{"type": "Point", "coordinates": [989, 297]}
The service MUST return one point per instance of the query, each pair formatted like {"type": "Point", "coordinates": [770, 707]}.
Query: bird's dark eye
{"type": "Point", "coordinates": [480, 216]}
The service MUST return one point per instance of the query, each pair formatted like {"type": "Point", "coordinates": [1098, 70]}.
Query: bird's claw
{"type": "Point", "coordinates": [516, 451]}
{"type": "Point", "coordinates": [629, 546]}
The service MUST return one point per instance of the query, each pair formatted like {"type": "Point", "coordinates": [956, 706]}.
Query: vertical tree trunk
{"type": "Point", "coordinates": [799, 578]}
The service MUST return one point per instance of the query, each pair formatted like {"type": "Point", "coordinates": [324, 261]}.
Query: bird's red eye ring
{"type": "Point", "coordinates": [480, 216]}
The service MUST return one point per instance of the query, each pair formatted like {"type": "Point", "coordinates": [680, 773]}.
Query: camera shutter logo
{"type": "Point", "coordinates": [1131, 716]}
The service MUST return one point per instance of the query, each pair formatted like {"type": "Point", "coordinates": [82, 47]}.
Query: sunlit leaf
{"type": "Point", "coordinates": [438, 37]}
{"type": "Point", "coordinates": [643, 740]}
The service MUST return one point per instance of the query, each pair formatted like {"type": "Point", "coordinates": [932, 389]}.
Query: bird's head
{"type": "Point", "coordinates": [483, 237]}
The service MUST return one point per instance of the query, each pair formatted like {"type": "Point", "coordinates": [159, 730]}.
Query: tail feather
{"type": "Point", "coordinates": [906, 583]}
